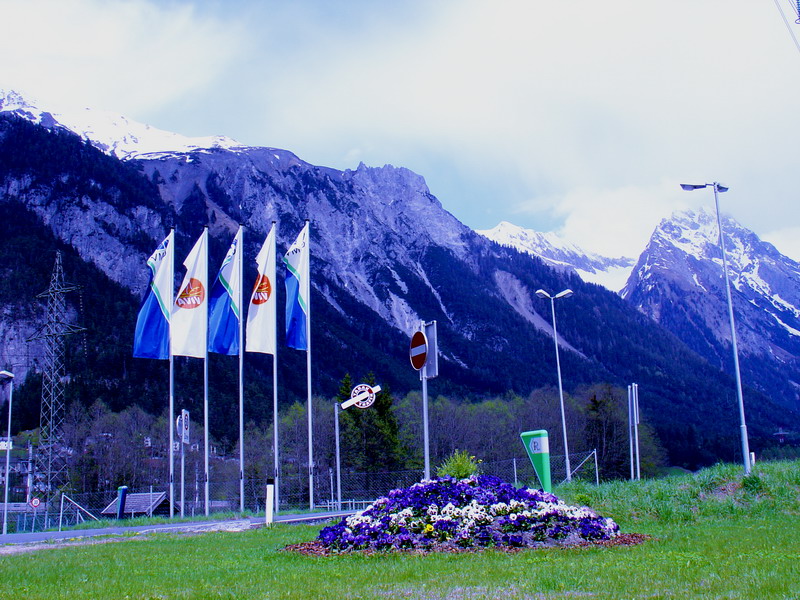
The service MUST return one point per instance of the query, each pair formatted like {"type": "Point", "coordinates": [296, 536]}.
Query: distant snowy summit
{"type": "Point", "coordinates": [112, 133]}
{"type": "Point", "coordinates": [611, 273]}
{"type": "Point", "coordinates": [684, 253]}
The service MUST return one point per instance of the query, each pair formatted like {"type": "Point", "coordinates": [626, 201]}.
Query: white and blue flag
{"type": "Point", "coordinates": [297, 291]}
{"type": "Point", "coordinates": [152, 339]}
{"type": "Point", "coordinates": [263, 303]}
{"type": "Point", "coordinates": [225, 307]}
{"type": "Point", "coordinates": [190, 311]}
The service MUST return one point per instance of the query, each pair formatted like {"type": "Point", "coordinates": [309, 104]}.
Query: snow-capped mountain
{"type": "Point", "coordinates": [678, 281]}
{"type": "Point", "coordinates": [112, 133]}
{"type": "Point", "coordinates": [611, 273]}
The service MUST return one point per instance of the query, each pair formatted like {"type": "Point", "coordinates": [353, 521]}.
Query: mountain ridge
{"type": "Point", "coordinates": [385, 254]}
{"type": "Point", "coordinates": [678, 281]}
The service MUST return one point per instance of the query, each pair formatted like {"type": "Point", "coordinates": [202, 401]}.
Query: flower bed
{"type": "Point", "coordinates": [480, 511]}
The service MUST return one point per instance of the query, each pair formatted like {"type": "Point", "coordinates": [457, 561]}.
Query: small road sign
{"type": "Point", "coordinates": [419, 350]}
{"type": "Point", "coordinates": [35, 502]}
{"type": "Point", "coordinates": [182, 425]}
{"type": "Point", "coordinates": [363, 396]}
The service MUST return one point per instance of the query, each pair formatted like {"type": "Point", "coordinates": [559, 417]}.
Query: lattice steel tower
{"type": "Point", "coordinates": [51, 462]}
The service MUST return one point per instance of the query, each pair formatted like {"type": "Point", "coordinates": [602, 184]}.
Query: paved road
{"type": "Point", "coordinates": [233, 524]}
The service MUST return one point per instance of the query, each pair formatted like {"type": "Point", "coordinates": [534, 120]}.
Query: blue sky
{"type": "Point", "coordinates": [578, 117]}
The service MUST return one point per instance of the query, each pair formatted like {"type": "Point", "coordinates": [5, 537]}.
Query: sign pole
{"type": "Point", "coordinates": [182, 425]}
{"type": "Point", "coordinates": [426, 440]}
{"type": "Point", "coordinates": [183, 478]}
{"type": "Point", "coordinates": [423, 348]}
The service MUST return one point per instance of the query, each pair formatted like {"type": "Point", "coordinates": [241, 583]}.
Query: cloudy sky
{"type": "Point", "coordinates": [579, 117]}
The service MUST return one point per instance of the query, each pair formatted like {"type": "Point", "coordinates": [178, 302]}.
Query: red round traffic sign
{"type": "Point", "coordinates": [419, 350]}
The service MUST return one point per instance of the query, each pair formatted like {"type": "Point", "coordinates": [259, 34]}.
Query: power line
{"type": "Point", "coordinates": [788, 26]}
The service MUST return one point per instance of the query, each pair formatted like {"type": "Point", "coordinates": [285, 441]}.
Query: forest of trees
{"type": "Point", "coordinates": [116, 401]}
{"type": "Point", "coordinates": [108, 449]}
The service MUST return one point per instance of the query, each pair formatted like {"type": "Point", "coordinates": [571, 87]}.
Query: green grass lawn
{"type": "Point", "coordinates": [715, 535]}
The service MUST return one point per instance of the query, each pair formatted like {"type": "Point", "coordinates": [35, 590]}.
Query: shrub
{"type": "Point", "coordinates": [459, 465]}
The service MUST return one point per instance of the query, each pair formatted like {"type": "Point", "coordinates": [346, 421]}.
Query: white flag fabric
{"type": "Point", "coordinates": [261, 335]}
{"type": "Point", "coordinates": [190, 312]}
{"type": "Point", "coordinates": [298, 286]}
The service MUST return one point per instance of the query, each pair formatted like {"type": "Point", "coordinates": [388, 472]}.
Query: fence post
{"type": "Point", "coordinates": [596, 470]}
{"type": "Point", "coordinates": [61, 512]}
{"type": "Point", "coordinates": [269, 507]}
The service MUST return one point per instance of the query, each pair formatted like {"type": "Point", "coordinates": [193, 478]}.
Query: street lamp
{"type": "Point", "coordinates": [6, 376]}
{"type": "Point", "coordinates": [562, 294]}
{"type": "Point", "coordinates": [718, 189]}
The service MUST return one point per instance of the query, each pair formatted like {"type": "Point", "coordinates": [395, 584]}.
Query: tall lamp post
{"type": "Point", "coordinates": [743, 426]}
{"type": "Point", "coordinates": [6, 376]}
{"type": "Point", "coordinates": [562, 294]}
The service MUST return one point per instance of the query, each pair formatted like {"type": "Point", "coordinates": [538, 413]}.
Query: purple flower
{"type": "Point", "coordinates": [423, 524]}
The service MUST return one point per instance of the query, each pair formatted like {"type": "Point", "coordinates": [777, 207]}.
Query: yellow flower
{"type": "Point", "coordinates": [428, 528]}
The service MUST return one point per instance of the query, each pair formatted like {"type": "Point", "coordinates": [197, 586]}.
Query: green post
{"type": "Point", "coordinates": [537, 446]}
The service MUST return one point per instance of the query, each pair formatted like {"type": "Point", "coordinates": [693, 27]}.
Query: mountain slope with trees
{"type": "Point", "coordinates": [384, 255]}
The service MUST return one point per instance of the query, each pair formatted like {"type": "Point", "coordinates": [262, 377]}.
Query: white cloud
{"type": "Point", "coordinates": [127, 57]}
{"type": "Point", "coordinates": [576, 116]}
{"type": "Point", "coordinates": [613, 222]}
{"type": "Point", "coordinates": [786, 240]}
{"type": "Point", "coordinates": [550, 99]}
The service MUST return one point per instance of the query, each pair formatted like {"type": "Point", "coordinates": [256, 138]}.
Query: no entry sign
{"type": "Point", "coordinates": [419, 350]}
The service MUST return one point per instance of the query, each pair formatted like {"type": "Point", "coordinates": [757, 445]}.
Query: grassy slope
{"type": "Point", "coordinates": [715, 536]}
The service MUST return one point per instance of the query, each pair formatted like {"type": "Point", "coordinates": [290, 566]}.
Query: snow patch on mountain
{"type": "Point", "coordinates": [112, 133]}
{"type": "Point", "coordinates": [611, 273]}
{"type": "Point", "coordinates": [517, 296]}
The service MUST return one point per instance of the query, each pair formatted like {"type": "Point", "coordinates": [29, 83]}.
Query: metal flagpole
{"type": "Point", "coordinates": [636, 428]}
{"type": "Point", "coordinates": [308, 377]}
{"type": "Point", "coordinates": [205, 379]}
{"type": "Point", "coordinates": [630, 428]}
{"type": "Point", "coordinates": [276, 463]}
{"type": "Point", "coordinates": [275, 388]}
{"type": "Point", "coordinates": [240, 304]}
{"type": "Point", "coordinates": [338, 460]}
{"type": "Point", "coordinates": [171, 420]}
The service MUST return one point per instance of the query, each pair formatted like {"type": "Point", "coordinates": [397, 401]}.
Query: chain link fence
{"type": "Point", "coordinates": [356, 490]}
